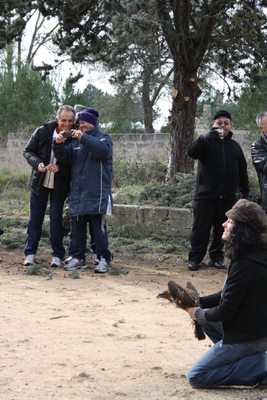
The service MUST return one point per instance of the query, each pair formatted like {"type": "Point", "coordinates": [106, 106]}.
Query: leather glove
{"type": "Point", "coordinates": [212, 134]}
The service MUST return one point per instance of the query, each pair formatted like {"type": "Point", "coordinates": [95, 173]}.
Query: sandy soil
{"type": "Point", "coordinates": [100, 336]}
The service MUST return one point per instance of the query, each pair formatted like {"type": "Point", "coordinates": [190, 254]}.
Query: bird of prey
{"type": "Point", "coordinates": [184, 298]}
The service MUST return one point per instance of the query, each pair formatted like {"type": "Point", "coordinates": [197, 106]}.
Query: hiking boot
{"type": "Point", "coordinates": [193, 266]}
{"type": "Point", "coordinates": [102, 267]}
{"type": "Point", "coordinates": [56, 262]}
{"type": "Point", "coordinates": [219, 265]}
{"type": "Point", "coordinates": [29, 260]}
{"type": "Point", "coordinates": [74, 264]}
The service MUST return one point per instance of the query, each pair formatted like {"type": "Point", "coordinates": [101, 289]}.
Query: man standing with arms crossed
{"type": "Point", "coordinates": [259, 157]}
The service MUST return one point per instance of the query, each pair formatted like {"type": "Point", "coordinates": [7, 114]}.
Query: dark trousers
{"type": "Point", "coordinates": [209, 215]}
{"type": "Point", "coordinates": [98, 232]}
{"type": "Point", "coordinates": [91, 235]}
{"type": "Point", "coordinates": [38, 206]}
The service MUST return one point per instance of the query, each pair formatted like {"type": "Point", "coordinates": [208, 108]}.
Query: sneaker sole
{"type": "Point", "coordinates": [74, 268]}
{"type": "Point", "coordinates": [101, 271]}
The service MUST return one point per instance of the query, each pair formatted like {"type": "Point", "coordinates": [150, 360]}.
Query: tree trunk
{"type": "Point", "coordinates": [147, 104]}
{"type": "Point", "coordinates": [184, 106]}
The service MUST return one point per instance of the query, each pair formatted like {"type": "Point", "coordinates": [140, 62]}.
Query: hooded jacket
{"type": "Point", "coordinates": [259, 160]}
{"type": "Point", "coordinates": [91, 172]}
{"type": "Point", "coordinates": [37, 150]}
{"type": "Point", "coordinates": [222, 168]}
{"type": "Point", "coordinates": [242, 303]}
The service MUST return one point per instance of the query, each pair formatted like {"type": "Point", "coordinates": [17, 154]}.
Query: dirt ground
{"type": "Point", "coordinates": [102, 337]}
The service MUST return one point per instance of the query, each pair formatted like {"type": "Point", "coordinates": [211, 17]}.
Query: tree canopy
{"type": "Point", "coordinates": [25, 99]}
{"type": "Point", "coordinates": [226, 37]}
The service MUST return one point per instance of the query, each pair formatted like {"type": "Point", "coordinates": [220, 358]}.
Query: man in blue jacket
{"type": "Point", "coordinates": [222, 169]}
{"type": "Point", "coordinates": [90, 156]}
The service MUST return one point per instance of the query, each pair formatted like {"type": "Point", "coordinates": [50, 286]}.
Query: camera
{"type": "Point", "coordinates": [67, 134]}
{"type": "Point", "coordinates": [221, 133]}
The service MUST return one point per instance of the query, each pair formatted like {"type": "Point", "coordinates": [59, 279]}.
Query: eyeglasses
{"type": "Point", "coordinates": [221, 123]}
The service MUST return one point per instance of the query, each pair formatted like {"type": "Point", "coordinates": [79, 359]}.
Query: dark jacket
{"type": "Point", "coordinates": [259, 159]}
{"type": "Point", "coordinates": [37, 150]}
{"type": "Point", "coordinates": [242, 303]}
{"type": "Point", "coordinates": [91, 172]}
{"type": "Point", "coordinates": [222, 168]}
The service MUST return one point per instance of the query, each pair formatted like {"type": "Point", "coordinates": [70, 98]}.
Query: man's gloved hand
{"type": "Point", "coordinates": [212, 134]}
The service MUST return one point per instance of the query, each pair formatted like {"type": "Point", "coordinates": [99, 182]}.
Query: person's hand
{"type": "Point", "coordinates": [212, 134]}
{"type": "Point", "coordinates": [192, 312]}
{"type": "Point", "coordinates": [41, 168]}
{"type": "Point", "coordinates": [60, 139]}
{"type": "Point", "coordinates": [77, 134]}
{"type": "Point", "coordinates": [53, 168]}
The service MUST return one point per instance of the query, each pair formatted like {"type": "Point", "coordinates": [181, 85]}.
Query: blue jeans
{"type": "Point", "coordinates": [38, 206]}
{"type": "Point", "coordinates": [229, 364]}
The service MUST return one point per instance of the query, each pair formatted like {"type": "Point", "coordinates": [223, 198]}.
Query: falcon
{"type": "Point", "coordinates": [184, 298]}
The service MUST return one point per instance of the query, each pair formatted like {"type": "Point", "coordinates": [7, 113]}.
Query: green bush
{"type": "Point", "coordinates": [137, 172]}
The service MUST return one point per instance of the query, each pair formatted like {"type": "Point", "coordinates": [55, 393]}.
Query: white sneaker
{"type": "Point", "coordinates": [56, 262]}
{"type": "Point", "coordinates": [29, 260]}
{"type": "Point", "coordinates": [102, 267]}
{"type": "Point", "coordinates": [68, 259]}
{"type": "Point", "coordinates": [74, 264]}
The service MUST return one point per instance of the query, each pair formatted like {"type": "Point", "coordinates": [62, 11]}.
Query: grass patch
{"type": "Point", "coordinates": [35, 269]}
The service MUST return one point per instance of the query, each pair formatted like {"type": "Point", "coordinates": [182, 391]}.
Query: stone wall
{"type": "Point", "coordinates": [132, 145]}
{"type": "Point", "coordinates": [166, 221]}
{"type": "Point", "coordinates": [127, 146]}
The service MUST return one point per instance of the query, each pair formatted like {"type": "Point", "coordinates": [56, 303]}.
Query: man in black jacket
{"type": "Point", "coordinates": [49, 178]}
{"type": "Point", "coordinates": [222, 169]}
{"type": "Point", "coordinates": [259, 156]}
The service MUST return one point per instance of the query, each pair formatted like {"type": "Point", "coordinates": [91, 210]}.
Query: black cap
{"type": "Point", "coordinates": [222, 112]}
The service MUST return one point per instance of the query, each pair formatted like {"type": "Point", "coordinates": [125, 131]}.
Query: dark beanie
{"type": "Point", "coordinates": [222, 113]}
{"type": "Point", "coordinates": [249, 213]}
{"type": "Point", "coordinates": [89, 115]}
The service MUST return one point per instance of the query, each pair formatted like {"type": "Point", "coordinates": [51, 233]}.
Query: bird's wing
{"type": "Point", "coordinates": [191, 288]}
{"type": "Point", "coordinates": [182, 297]}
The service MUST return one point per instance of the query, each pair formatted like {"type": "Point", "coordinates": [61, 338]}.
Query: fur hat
{"type": "Point", "coordinates": [89, 115]}
{"type": "Point", "coordinates": [222, 113]}
{"type": "Point", "coordinates": [249, 213]}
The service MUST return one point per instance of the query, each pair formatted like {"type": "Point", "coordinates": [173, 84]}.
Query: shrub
{"type": "Point", "coordinates": [137, 172]}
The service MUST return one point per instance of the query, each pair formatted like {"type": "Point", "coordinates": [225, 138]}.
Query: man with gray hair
{"type": "Point", "coordinates": [49, 179]}
{"type": "Point", "coordinates": [259, 156]}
